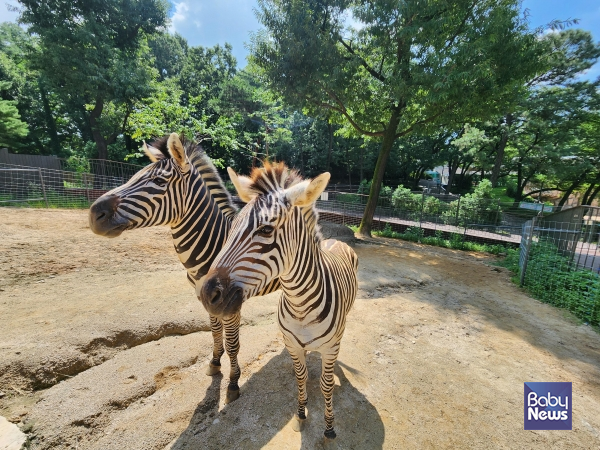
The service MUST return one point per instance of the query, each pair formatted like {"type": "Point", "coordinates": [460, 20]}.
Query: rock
{"type": "Point", "coordinates": [331, 230]}
{"type": "Point", "coordinates": [11, 438]}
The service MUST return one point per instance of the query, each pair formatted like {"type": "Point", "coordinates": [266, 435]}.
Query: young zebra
{"type": "Point", "coordinates": [181, 188]}
{"type": "Point", "coordinates": [276, 235]}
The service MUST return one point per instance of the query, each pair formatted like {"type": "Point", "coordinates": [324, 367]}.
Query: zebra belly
{"type": "Point", "coordinates": [314, 337]}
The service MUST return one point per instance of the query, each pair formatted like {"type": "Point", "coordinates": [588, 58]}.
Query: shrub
{"type": "Point", "coordinates": [551, 279]}
{"type": "Point", "coordinates": [478, 207]}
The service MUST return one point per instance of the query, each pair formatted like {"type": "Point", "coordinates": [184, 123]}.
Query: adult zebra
{"type": "Point", "coordinates": [276, 235]}
{"type": "Point", "coordinates": [181, 188]}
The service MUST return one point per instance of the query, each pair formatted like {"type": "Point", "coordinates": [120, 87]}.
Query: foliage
{"type": "Point", "coordinates": [94, 57]}
{"type": "Point", "coordinates": [11, 125]}
{"type": "Point", "coordinates": [478, 207]}
{"type": "Point", "coordinates": [456, 241]}
{"type": "Point", "coordinates": [429, 65]}
{"type": "Point", "coordinates": [551, 279]}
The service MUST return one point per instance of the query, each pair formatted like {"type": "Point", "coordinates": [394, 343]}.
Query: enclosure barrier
{"type": "Point", "coordinates": [42, 187]}
{"type": "Point", "coordinates": [486, 221]}
{"type": "Point", "coordinates": [559, 260]}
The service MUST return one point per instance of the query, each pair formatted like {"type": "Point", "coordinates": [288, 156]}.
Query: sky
{"type": "Point", "coordinates": [210, 22]}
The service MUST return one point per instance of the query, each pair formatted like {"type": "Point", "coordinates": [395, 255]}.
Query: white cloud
{"type": "Point", "coordinates": [5, 14]}
{"type": "Point", "coordinates": [209, 22]}
{"type": "Point", "coordinates": [180, 15]}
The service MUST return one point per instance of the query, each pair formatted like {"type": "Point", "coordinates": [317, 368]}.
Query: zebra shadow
{"type": "Point", "coordinates": [261, 417]}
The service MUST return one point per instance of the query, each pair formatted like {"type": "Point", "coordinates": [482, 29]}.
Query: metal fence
{"type": "Point", "coordinates": [477, 220]}
{"type": "Point", "coordinates": [42, 187]}
{"type": "Point", "coordinates": [101, 167]}
{"type": "Point", "coordinates": [559, 260]}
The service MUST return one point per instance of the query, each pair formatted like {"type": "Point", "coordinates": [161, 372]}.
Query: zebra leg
{"type": "Point", "coordinates": [216, 326]}
{"type": "Point", "coordinates": [232, 346]}
{"type": "Point", "coordinates": [299, 358]}
{"type": "Point", "coordinates": [328, 360]}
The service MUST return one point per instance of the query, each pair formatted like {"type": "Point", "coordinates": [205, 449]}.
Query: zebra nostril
{"type": "Point", "coordinates": [216, 296]}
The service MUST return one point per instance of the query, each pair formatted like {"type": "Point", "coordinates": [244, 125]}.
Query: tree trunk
{"type": "Point", "coordinates": [571, 188]}
{"type": "Point", "coordinates": [520, 186]}
{"type": "Point", "coordinates": [55, 142]}
{"type": "Point", "coordinates": [348, 166]}
{"type": "Point", "coordinates": [366, 224]}
{"type": "Point", "coordinates": [590, 193]}
{"type": "Point", "coordinates": [362, 162]}
{"type": "Point", "coordinates": [330, 149]}
{"type": "Point", "coordinates": [451, 174]}
{"type": "Point", "coordinates": [96, 133]}
{"type": "Point", "coordinates": [593, 195]}
{"type": "Point", "coordinates": [500, 152]}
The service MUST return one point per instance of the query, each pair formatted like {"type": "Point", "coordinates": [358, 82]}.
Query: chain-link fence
{"type": "Point", "coordinates": [559, 260]}
{"type": "Point", "coordinates": [49, 188]}
{"type": "Point", "coordinates": [475, 219]}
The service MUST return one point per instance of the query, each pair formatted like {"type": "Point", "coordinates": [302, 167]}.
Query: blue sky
{"type": "Point", "coordinates": [210, 22]}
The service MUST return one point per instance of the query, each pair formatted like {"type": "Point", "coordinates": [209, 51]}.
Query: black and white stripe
{"type": "Point", "coordinates": [183, 190]}
{"type": "Point", "coordinates": [276, 235]}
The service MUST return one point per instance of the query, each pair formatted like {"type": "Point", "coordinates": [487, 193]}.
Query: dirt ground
{"type": "Point", "coordinates": [104, 346]}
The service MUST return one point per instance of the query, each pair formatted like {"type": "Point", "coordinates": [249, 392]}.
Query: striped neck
{"type": "Point", "coordinates": [303, 281]}
{"type": "Point", "coordinates": [202, 230]}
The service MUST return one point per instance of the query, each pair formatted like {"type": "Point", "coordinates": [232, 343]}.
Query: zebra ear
{"type": "Point", "coordinates": [242, 185]}
{"type": "Point", "coordinates": [177, 151]}
{"type": "Point", "coordinates": [307, 192]}
{"type": "Point", "coordinates": [152, 152]}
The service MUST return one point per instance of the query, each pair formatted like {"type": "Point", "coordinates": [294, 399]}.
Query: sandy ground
{"type": "Point", "coordinates": [103, 346]}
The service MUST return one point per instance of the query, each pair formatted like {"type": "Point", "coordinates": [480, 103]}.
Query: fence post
{"type": "Point", "coordinates": [86, 184]}
{"type": "Point", "coordinates": [422, 207]}
{"type": "Point", "coordinates": [43, 187]}
{"type": "Point", "coordinates": [457, 211]}
{"type": "Point", "coordinates": [525, 251]}
{"type": "Point", "coordinates": [497, 212]}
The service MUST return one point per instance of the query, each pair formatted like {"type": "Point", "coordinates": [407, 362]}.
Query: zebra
{"type": "Point", "coordinates": [181, 188]}
{"type": "Point", "coordinates": [276, 236]}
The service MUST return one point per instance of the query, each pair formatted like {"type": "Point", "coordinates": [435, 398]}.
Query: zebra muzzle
{"type": "Point", "coordinates": [219, 295]}
{"type": "Point", "coordinates": [102, 216]}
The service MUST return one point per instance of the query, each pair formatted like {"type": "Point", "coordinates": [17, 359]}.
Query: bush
{"type": "Point", "coordinates": [551, 279]}
{"type": "Point", "coordinates": [478, 207]}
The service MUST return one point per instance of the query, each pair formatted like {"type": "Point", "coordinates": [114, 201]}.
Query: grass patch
{"type": "Point", "coordinates": [500, 193]}
{"type": "Point", "coordinates": [456, 241]}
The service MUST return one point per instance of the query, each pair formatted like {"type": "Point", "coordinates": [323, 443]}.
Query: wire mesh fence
{"type": "Point", "coordinates": [559, 260]}
{"type": "Point", "coordinates": [49, 188]}
{"type": "Point", "coordinates": [100, 167]}
{"type": "Point", "coordinates": [475, 219]}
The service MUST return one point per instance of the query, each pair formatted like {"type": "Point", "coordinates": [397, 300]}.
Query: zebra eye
{"type": "Point", "coordinates": [160, 182]}
{"type": "Point", "coordinates": [265, 230]}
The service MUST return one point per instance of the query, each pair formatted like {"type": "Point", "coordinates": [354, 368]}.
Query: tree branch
{"type": "Point", "coordinates": [460, 27]}
{"type": "Point", "coordinates": [364, 63]}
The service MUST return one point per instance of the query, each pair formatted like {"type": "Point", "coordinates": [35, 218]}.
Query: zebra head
{"type": "Point", "coordinates": [154, 196]}
{"type": "Point", "coordinates": [266, 237]}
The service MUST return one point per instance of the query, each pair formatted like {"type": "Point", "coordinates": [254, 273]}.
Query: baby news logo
{"type": "Point", "coordinates": [548, 406]}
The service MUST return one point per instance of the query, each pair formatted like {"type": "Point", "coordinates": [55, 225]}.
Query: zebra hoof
{"type": "Point", "coordinates": [298, 424]}
{"type": "Point", "coordinates": [329, 435]}
{"type": "Point", "coordinates": [232, 395]}
{"type": "Point", "coordinates": [213, 370]}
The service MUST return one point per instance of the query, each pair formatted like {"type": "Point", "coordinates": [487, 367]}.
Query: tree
{"type": "Point", "coordinates": [410, 66]}
{"type": "Point", "coordinates": [93, 53]}
{"type": "Point", "coordinates": [205, 72]}
{"type": "Point", "coordinates": [169, 53]}
{"type": "Point", "coordinates": [566, 54]}
{"type": "Point", "coordinates": [11, 126]}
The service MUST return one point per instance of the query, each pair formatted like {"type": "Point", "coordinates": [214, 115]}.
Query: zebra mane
{"type": "Point", "coordinates": [273, 177]}
{"type": "Point", "coordinates": [207, 170]}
